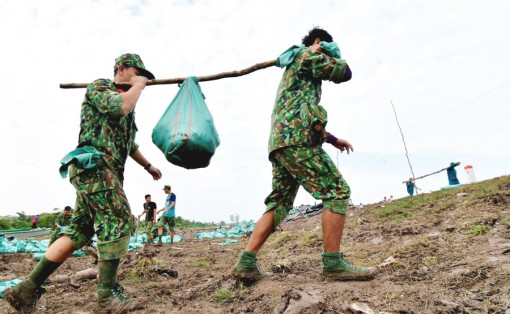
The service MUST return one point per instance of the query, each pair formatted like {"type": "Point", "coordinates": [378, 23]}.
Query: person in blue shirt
{"type": "Point", "coordinates": [168, 217]}
{"type": "Point", "coordinates": [410, 186]}
{"type": "Point", "coordinates": [452, 173]}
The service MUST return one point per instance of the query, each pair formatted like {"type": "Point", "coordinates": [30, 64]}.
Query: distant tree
{"type": "Point", "coordinates": [222, 223]}
{"type": "Point", "coordinates": [237, 218]}
{"type": "Point", "coordinates": [232, 219]}
{"type": "Point", "coordinates": [22, 216]}
{"type": "Point", "coordinates": [20, 224]}
{"type": "Point", "coordinates": [47, 220]}
{"type": "Point", "coordinates": [5, 223]}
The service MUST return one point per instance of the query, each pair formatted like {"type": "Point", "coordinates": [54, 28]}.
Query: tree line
{"type": "Point", "coordinates": [47, 220]}
{"type": "Point", "coordinates": [24, 221]}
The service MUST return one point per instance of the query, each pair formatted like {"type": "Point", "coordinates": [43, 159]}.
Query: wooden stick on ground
{"type": "Point", "coordinates": [87, 274]}
{"type": "Point", "coordinates": [235, 73]}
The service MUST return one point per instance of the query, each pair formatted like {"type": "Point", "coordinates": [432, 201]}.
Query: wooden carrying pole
{"type": "Point", "coordinates": [435, 172]}
{"type": "Point", "coordinates": [253, 68]}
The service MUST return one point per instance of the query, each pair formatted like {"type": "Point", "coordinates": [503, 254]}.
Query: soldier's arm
{"type": "Point", "coordinates": [130, 98]}
{"type": "Point", "coordinates": [142, 161]}
{"type": "Point", "coordinates": [324, 67]}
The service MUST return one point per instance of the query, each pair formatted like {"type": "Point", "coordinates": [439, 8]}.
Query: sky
{"type": "Point", "coordinates": [442, 63]}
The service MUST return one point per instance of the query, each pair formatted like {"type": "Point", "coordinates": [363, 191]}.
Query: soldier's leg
{"type": "Point", "coordinates": [171, 228]}
{"type": "Point", "coordinates": [24, 296]}
{"type": "Point", "coordinates": [113, 224]}
{"type": "Point", "coordinates": [148, 231]}
{"type": "Point", "coordinates": [278, 204]}
{"type": "Point", "coordinates": [319, 176]}
{"type": "Point", "coordinates": [160, 229]}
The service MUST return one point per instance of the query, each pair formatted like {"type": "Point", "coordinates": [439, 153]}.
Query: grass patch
{"type": "Point", "coordinates": [203, 262]}
{"type": "Point", "coordinates": [223, 295]}
{"type": "Point", "coordinates": [143, 269]}
{"type": "Point", "coordinates": [401, 209]}
{"type": "Point", "coordinates": [310, 239]}
{"type": "Point", "coordinates": [478, 230]}
{"type": "Point", "coordinates": [282, 238]}
{"type": "Point", "coordinates": [429, 260]}
{"type": "Point", "coordinates": [506, 221]}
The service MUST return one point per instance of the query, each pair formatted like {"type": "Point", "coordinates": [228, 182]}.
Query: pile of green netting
{"type": "Point", "coordinates": [7, 284]}
{"type": "Point", "coordinates": [38, 248]}
{"type": "Point", "coordinates": [241, 229]}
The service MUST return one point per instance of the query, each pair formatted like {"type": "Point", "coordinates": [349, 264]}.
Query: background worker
{"type": "Point", "coordinates": [149, 210]}
{"type": "Point", "coordinates": [168, 217]}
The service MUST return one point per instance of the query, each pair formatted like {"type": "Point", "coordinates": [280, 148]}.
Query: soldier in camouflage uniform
{"type": "Point", "coordinates": [295, 151]}
{"type": "Point", "coordinates": [62, 220]}
{"type": "Point", "coordinates": [96, 170]}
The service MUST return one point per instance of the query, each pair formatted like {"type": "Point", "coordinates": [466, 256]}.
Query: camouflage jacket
{"type": "Point", "coordinates": [102, 126]}
{"type": "Point", "coordinates": [62, 220]}
{"type": "Point", "coordinates": [298, 119]}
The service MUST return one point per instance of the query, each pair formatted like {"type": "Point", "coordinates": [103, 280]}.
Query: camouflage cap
{"type": "Point", "coordinates": [167, 187]}
{"type": "Point", "coordinates": [133, 60]}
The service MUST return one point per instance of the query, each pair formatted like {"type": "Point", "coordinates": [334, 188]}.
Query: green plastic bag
{"type": "Point", "coordinates": [185, 133]}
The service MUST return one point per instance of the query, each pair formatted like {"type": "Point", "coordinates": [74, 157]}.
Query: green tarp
{"type": "Point", "coordinates": [38, 248]}
{"type": "Point", "coordinates": [228, 241]}
{"type": "Point", "coordinates": [237, 231]}
{"type": "Point", "coordinates": [7, 284]}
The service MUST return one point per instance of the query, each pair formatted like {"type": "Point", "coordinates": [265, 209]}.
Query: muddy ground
{"type": "Point", "coordinates": [445, 252]}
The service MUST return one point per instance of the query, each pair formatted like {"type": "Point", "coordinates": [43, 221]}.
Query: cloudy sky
{"type": "Point", "coordinates": [444, 64]}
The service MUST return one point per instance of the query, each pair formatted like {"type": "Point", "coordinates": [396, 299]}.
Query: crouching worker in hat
{"type": "Point", "coordinates": [96, 170]}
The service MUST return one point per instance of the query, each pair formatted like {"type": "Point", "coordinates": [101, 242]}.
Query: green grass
{"type": "Point", "coordinates": [400, 209]}
{"type": "Point", "coordinates": [223, 295]}
{"type": "Point", "coordinates": [203, 262]}
{"type": "Point", "coordinates": [478, 230]}
{"type": "Point", "coordinates": [282, 238]}
{"type": "Point", "coordinates": [506, 221]}
{"type": "Point", "coordinates": [495, 192]}
{"type": "Point", "coordinates": [310, 239]}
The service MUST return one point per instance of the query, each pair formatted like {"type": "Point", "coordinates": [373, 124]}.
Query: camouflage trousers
{"type": "Point", "coordinates": [149, 227]}
{"type": "Point", "coordinates": [101, 209]}
{"type": "Point", "coordinates": [311, 168]}
{"type": "Point", "coordinates": [168, 221]}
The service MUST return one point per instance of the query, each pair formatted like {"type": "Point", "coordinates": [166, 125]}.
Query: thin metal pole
{"type": "Point", "coordinates": [403, 140]}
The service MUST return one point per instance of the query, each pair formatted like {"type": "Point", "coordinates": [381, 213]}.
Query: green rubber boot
{"type": "Point", "coordinates": [24, 296]}
{"type": "Point", "coordinates": [337, 268]}
{"type": "Point", "coordinates": [246, 267]}
{"type": "Point", "coordinates": [110, 297]}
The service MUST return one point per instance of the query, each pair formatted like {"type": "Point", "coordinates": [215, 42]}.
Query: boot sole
{"type": "Point", "coordinates": [349, 278]}
{"type": "Point", "coordinates": [247, 276]}
{"type": "Point", "coordinates": [352, 276]}
{"type": "Point", "coordinates": [15, 304]}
